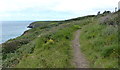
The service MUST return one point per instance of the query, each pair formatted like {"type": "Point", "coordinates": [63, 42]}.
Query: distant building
{"type": "Point", "coordinates": [119, 5]}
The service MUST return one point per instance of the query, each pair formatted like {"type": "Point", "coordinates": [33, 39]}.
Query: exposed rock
{"type": "Point", "coordinates": [30, 26]}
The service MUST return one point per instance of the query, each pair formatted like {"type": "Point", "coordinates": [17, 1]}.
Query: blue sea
{"type": "Point", "coordinates": [12, 29]}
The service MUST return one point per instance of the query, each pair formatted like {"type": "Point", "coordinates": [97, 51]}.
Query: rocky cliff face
{"type": "Point", "coordinates": [30, 26]}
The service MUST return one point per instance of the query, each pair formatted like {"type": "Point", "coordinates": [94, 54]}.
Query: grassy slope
{"type": "Point", "coordinates": [100, 43]}
{"type": "Point", "coordinates": [52, 50]}
{"type": "Point", "coordinates": [15, 49]}
{"type": "Point", "coordinates": [28, 44]}
{"type": "Point", "coordinates": [48, 45]}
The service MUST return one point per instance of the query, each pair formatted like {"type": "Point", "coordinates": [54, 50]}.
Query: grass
{"type": "Point", "coordinates": [14, 49]}
{"type": "Point", "coordinates": [48, 44]}
{"type": "Point", "coordinates": [51, 51]}
{"type": "Point", "coordinates": [100, 44]}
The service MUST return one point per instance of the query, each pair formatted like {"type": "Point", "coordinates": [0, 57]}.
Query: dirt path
{"type": "Point", "coordinates": [78, 57]}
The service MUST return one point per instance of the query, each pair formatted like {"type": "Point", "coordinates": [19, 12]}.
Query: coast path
{"type": "Point", "coordinates": [78, 57]}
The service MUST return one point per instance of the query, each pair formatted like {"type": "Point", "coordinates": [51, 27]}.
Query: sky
{"type": "Point", "coordinates": [39, 10]}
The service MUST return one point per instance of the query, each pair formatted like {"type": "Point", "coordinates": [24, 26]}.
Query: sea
{"type": "Point", "coordinates": [12, 29]}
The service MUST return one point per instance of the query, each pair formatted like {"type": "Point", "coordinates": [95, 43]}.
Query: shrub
{"type": "Point", "coordinates": [77, 26]}
{"type": "Point", "coordinates": [108, 50]}
{"type": "Point", "coordinates": [106, 12]}
{"type": "Point", "coordinates": [13, 45]}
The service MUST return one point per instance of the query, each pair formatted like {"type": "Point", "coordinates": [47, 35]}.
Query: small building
{"type": "Point", "coordinates": [119, 5]}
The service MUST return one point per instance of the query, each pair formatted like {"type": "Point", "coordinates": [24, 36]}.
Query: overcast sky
{"type": "Point", "coordinates": [52, 9]}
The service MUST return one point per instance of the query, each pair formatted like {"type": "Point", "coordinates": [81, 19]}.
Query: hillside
{"type": "Point", "coordinates": [48, 43]}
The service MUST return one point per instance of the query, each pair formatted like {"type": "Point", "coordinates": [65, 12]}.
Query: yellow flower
{"type": "Point", "coordinates": [50, 41]}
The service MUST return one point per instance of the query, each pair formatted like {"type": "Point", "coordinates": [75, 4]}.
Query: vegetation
{"type": "Point", "coordinates": [100, 42]}
{"type": "Point", "coordinates": [48, 43]}
{"type": "Point", "coordinates": [51, 51]}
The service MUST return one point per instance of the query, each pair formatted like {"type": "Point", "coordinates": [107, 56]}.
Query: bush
{"type": "Point", "coordinates": [13, 45]}
{"type": "Point", "coordinates": [77, 26]}
{"type": "Point", "coordinates": [110, 50]}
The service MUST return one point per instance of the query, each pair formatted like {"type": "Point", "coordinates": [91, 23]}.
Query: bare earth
{"type": "Point", "coordinates": [78, 57]}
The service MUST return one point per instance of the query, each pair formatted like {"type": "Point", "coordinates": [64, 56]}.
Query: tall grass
{"type": "Point", "coordinates": [51, 51]}
{"type": "Point", "coordinates": [100, 44]}
{"type": "Point", "coordinates": [48, 45]}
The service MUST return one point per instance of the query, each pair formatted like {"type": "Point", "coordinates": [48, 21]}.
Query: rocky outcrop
{"type": "Point", "coordinates": [30, 26]}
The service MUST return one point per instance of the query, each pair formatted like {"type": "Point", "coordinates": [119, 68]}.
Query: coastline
{"type": "Point", "coordinates": [45, 38]}
{"type": "Point", "coordinates": [14, 33]}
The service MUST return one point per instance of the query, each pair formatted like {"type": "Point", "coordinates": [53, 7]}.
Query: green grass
{"type": "Point", "coordinates": [55, 54]}
{"type": "Point", "coordinates": [100, 45]}
{"type": "Point", "coordinates": [48, 45]}
{"type": "Point", "coordinates": [15, 49]}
